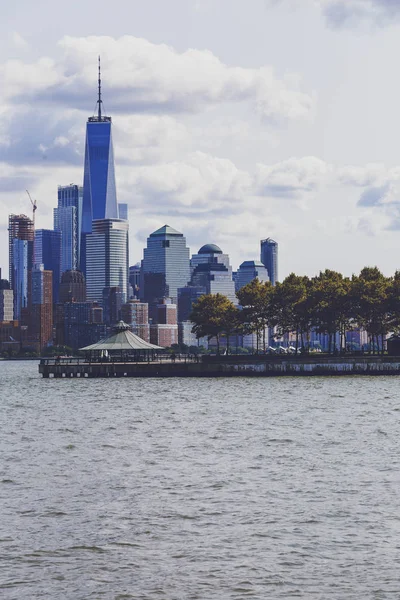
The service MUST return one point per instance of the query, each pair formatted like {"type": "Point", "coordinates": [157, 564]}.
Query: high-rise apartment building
{"type": "Point", "coordinates": [68, 220]}
{"type": "Point", "coordinates": [164, 333]}
{"type": "Point", "coordinates": [42, 306]}
{"type": "Point", "coordinates": [107, 258]}
{"type": "Point", "coordinates": [249, 270]}
{"type": "Point", "coordinates": [20, 249]}
{"type": "Point", "coordinates": [165, 266]}
{"type": "Point", "coordinates": [48, 253]}
{"type": "Point", "coordinates": [269, 258]}
{"type": "Point", "coordinates": [136, 315]}
{"type": "Point", "coordinates": [6, 305]}
{"type": "Point", "coordinates": [99, 188]}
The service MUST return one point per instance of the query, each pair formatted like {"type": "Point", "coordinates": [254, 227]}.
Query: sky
{"type": "Point", "coordinates": [234, 121]}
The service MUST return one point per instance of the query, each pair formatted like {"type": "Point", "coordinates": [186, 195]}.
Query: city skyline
{"type": "Point", "coordinates": [227, 146]}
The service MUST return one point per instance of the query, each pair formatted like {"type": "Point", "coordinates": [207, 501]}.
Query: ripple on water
{"type": "Point", "coordinates": [222, 489]}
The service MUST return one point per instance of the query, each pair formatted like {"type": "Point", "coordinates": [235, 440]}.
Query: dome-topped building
{"type": "Point", "coordinates": [210, 249]}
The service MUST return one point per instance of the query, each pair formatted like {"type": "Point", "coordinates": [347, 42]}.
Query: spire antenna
{"type": "Point", "coordinates": [99, 101]}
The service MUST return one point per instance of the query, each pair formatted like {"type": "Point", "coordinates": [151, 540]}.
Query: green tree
{"type": "Point", "coordinates": [372, 303]}
{"type": "Point", "coordinates": [255, 300]}
{"type": "Point", "coordinates": [332, 306]}
{"type": "Point", "coordinates": [212, 316]}
{"type": "Point", "coordinates": [290, 307]}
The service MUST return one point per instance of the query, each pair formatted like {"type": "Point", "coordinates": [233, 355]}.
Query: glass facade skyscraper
{"type": "Point", "coordinates": [68, 220]}
{"type": "Point", "coordinates": [107, 258]}
{"type": "Point", "coordinates": [212, 272]}
{"type": "Point", "coordinates": [269, 258]}
{"type": "Point", "coordinates": [21, 234]}
{"type": "Point", "coordinates": [249, 270]}
{"type": "Point", "coordinates": [99, 189]}
{"type": "Point", "coordinates": [48, 254]}
{"type": "Point", "coordinates": [22, 265]}
{"type": "Point", "coordinates": [165, 266]}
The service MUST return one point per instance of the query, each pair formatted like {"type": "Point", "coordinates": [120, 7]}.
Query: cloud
{"type": "Point", "coordinates": [291, 177]}
{"type": "Point", "coordinates": [201, 184]}
{"type": "Point", "coordinates": [342, 13]}
{"type": "Point", "coordinates": [19, 41]}
{"type": "Point", "coordinates": [140, 76]}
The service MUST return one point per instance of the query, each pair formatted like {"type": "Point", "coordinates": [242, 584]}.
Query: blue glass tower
{"type": "Point", "coordinates": [68, 220]}
{"type": "Point", "coordinates": [48, 253]}
{"type": "Point", "coordinates": [99, 189]}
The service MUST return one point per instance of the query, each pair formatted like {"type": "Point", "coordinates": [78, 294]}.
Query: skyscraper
{"type": "Point", "coordinates": [48, 253]}
{"type": "Point", "coordinates": [249, 270]}
{"type": "Point", "coordinates": [213, 272]}
{"type": "Point", "coordinates": [68, 220]}
{"type": "Point", "coordinates": [20, 244]}
{"type": "Point", "coordinates": [107, 258]}
{"type": "Point", "coordinates": [165, 266]}
{"type": "Point", "coordinates": [269, 258]}
{"type": "Point", "coordinates": [42, 306]}
{"type": "Point", "coordinates": [99, 189]}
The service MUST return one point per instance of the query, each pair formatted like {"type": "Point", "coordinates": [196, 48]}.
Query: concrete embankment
{"type": "Point", "coordinates": [227, 366]}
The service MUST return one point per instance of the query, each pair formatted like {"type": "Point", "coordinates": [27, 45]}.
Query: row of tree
{"type": "Point", "coordinates": [328, 303]}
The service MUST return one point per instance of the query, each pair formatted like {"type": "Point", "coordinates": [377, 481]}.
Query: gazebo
{"type": "Point", "coordinates": [122, 346]}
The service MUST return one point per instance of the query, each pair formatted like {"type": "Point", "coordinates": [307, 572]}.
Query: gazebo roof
{"type": "Point", "coordinates": [122, 339]}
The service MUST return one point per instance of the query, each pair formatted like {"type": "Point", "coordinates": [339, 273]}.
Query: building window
{"type": "Point", "coordinates": [165, 244]}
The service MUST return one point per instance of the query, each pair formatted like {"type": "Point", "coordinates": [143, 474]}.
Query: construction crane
{"type": "Point", "coordinates": [34, 207]}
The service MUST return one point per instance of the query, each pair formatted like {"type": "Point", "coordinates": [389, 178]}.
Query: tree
{"type": "Point", "coordinates": [290, 307]}
{"type": "Point", "coordinates": [371, 293]}
{"type": "Point", "coordinates": [332, 308]}
{"type": "Point", "coordinates": [212, 316]}
{"type": "Point", "coordinates": [255, 299]}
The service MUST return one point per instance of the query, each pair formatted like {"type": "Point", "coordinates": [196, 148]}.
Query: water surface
{"type": "Point", "coordinates": [198, 489]}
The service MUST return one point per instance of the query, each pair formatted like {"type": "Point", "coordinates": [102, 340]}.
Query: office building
{"type": "Point", "coordinates": [249, 270]}
{"type": "Point", "coordinates": [79, 327]}
{"type": "Point", "coordinates": [47, 251]}
{"type": "Point", "coordinates": [187, 296]}
{"type": "Point", "coordinates": [72, 287]}
{"type": "Point", "coordinates": [42, 307]}
{"type": "Point", "coordinates": [165, 267]}
{"type": "Point", "coordinates": [212, 272]}
{"type": "Point", "coordinates": [269, 258]}
{"type": "Point", "coordinates": [112, 303]}
{"type": "Point", "coordinates": [107, 258]}
{"type": "Point", "coordinates": [134, 279]}
{"type": "Point", "coordinates": [99, 188]}
{"type": "Point", "coordinates": [68, 220]}
{"type": "Point", "coordinates": [136, 315]}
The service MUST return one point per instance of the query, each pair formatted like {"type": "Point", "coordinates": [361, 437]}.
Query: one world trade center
{"type": "Point", "coordinates": [99, 189]}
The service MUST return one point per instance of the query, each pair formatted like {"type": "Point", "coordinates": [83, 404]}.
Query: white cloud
{"type": "Point", "coordinates": [140, 76]}
{"type": "Point", "coordinates": [291, 177]}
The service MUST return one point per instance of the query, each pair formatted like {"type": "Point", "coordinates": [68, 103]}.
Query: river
{"type": "Point", "coordinates": [198, 489]}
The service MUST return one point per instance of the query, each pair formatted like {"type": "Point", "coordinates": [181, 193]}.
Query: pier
{"type": "Point", "coordinates": [222, 366]}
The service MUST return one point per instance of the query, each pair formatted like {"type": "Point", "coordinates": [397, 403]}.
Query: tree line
{"type": "Point", "coordinates": [328, 303]}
